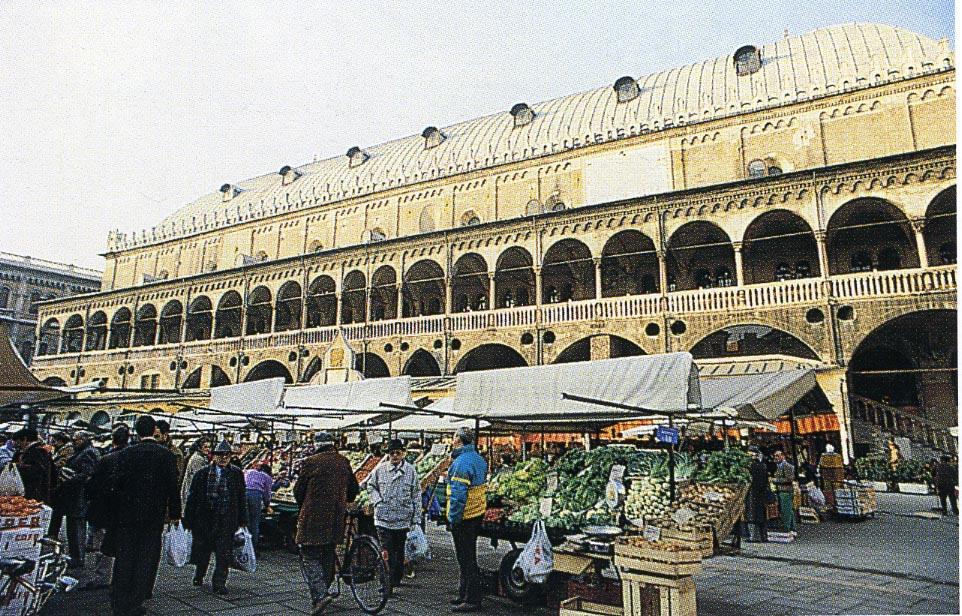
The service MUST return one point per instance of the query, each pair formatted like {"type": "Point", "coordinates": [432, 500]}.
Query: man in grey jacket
{"type": "Point", "coordinates": [395, 492]}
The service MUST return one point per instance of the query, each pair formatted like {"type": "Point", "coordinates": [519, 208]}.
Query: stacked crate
{"type": "Point", "coordinates": [20, 538]}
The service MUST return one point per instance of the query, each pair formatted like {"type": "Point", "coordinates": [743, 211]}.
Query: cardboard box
{"type": "Point", "coordinates": [38, 520]}
{"type": "Point", "coordinates": [21, 542]}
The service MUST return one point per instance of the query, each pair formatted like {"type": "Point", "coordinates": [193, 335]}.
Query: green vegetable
{"type": "Point", "coordinates": [729, 466]}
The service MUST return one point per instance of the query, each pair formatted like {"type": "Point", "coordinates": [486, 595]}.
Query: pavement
{"type": "Point", "coordinates": [896, 563]}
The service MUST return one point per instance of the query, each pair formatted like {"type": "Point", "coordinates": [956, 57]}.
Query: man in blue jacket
{"type": "Point", "coordinates": [467, 500]}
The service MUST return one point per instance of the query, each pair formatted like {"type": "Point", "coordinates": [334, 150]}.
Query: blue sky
{"type": "Point", "coordinates": [114, 114]}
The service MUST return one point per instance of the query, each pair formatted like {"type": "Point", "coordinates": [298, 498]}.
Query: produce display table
{"type": "Point", "coordinates": [856, 500]}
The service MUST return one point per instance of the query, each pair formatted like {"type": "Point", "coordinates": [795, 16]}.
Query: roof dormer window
{"type": "Point", "coordinates": [522, 114]}
{"type": "Point", "coordinates": [229, 191]}
{"type": "Point", "coordinates": [748, 60]}
{"type": "Point", "coordinates": [627, 89]}
{"type": "Point", "coordinates": [288, 174]}
{"type": "Point", "coordinates": [356, 157]}
{"type": "Point", "coordinates": [432, 137]}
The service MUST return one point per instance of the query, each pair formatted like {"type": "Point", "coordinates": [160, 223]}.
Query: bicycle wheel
{"type": "Point", "coordinates": [367, 574]}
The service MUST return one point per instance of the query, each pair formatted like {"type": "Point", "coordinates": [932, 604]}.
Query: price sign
{"type": "Point", "coordinates": [544, 506]}
{"type": "Point", "coordinates": [652, 533]}
{"type": "Point", "coordinates": [374, 437]}
{"type": "Point", "coordinates": [438, 449]}
{"type": "Point", "coordinates": [664, 434]}
{"type": "Point", "coordinates": [617, 473]}
{"type": "Point", "coordinates": [714, 496]}
{"type": "Point", "coordinates": [683, 516]}
{"type": "Point", "coordinates": [552, 482]}
{"type": "Point", "coordinates": [353, 438]}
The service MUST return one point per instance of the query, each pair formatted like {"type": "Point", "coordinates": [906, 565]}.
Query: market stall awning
{"type": "Point", "coordinates": [533, 395]}
{"type": "Point", "coordinates": [754, 397]}
{"type": "Point", "coordinates": [233, 406]}
{"type": "Point", "coordinates": [342, 405]}
{"type": "Point", "coordinates": [435, 418]}
{"type": "Point", "coordinates": [17, 384]}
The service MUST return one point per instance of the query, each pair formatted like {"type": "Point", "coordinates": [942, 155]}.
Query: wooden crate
{"type": "Point", "coordinates": [650, 598]}
{"type": "Point", "coordinates": [431, 477]}
{"type": "Point", "coordinates": [659, 562]}
{"type": "Point", "coordinates": [576, 606]}
{"type": "Point", "coordinates": [702, 539]}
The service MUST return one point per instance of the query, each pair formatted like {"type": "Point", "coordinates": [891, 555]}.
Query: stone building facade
{"type": "Point", "coordinates": [791, 200]}
{"type": "Point", "coordinates": [25, 282]}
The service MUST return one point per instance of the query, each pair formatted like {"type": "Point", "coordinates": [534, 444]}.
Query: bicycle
{"type": "Point", "coordinates": [363, 569]}
{"type": "Point", "coordinates": [50, 579]}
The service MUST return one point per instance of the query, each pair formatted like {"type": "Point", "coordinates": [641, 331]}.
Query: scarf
{"type": "Point", "coordinates": [217, 490]}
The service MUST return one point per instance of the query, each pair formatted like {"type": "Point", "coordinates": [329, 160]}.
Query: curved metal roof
{"type": "Point", "coordinates": [819, 63]}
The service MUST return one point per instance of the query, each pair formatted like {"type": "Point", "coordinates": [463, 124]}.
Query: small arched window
{"type": "Point", "coordinates": [316, 246]}
{"type": "Point", "coordinates": [757, 169]}
{"type": "Point", "coordinates": [432, 137]}
{"type": "Point", "coordinates": [522, 114]}
{"type": "Point", "coordinates": [376, 235]}
{"type": "Point", "coordinates": [748, 60]}
{"type": "Point", "coordinates": [261, 256]}
{"type": "Point", "coordinates": [555, 203]}
{"type": "Point", "coordinates": [356, 156]}
{"type": "Point", "coordinates": [470, 218]}
{"type": "Point", "coordinates": [627, 89]}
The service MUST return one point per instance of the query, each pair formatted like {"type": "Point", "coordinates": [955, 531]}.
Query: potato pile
{"type": "Point", "coordinates": [18, 506]}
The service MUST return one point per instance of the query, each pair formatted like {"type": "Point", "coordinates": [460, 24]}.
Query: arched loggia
{"type": "Point", "coordinates": [940, 229]}
{"type": "Point", "coordinates": [145, 326]}
{"type": "Point", "coordinates": [779, 245]}
{"type": "Point", "coordinates": [259, 311]}
{"type": "Point", "coordinates": [269, 369]}
{"type": "Point", "coordinates": [629, 265]}
{"type": "Point", "coordinates": [424, 289]}
{"type": "Point", "coordinates": [869, 234]}
{"type": "Point", "coordinates": [748, 340]}
{"type": "Point", "coordinates": [287, 315]}
{"type": "Point", "coordinates": [470, 283]}
{"type": "Point", "coordinates": [700, 256]}
{"type": "Point", "coordinates": [384, 294]}
{"type": "Point", "coordinates": [169, 324]}
{"type": "Point", "coordinates": [371, 365]}
{"type": "Point", "coordinates": [49, 338]}
{"type": "Point", "coordinates": [321, 302]}
{"type": "Point", "coordinates": [567, 273]}
{"type": "Point", "coordinates": [354, 298]}
{"type": "Point", "coordinates": [422, 363]}
{"type": "Point", "coordinates": [73, 335]}
{"type": "Point", "coordinates": [227, 320]}
{"type": "Point", "coordinates": [514, 282]}
{"type": "Point", "coordinates": [490, 356]}
{"type": "Point", "coordinates": [96, 334]}
{"type": "Point", "coordinates": [120, 327]}
{"type": "Point", "coordinates": [200, 319]}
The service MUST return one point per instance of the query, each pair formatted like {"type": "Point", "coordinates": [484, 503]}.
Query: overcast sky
{"type": "Point", "coordinates": [115, 114]}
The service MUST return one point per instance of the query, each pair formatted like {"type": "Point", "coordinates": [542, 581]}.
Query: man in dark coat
{"type": "Point", "coordinates": [35, 465]}
{"type": "Point", "coordinates": [325, 485]}
{"type": "Point", "coordinates": [946, 478]}
{"type": "Point", "coordinates": [75, 475]}
{"type": "Point", "coordinates": [216, 509]}
{"type": "Point", "coordinates": [144, 494]}
{"type": "Point", "coordinates": [759, 495]}
{"type": "Point", "coordinates": [100, 507]}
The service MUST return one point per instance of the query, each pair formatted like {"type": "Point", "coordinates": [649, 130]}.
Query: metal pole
{"type": "Point", "coordinates": [671, 465]}
{"type": "Point", "coordinates": [791, 424]}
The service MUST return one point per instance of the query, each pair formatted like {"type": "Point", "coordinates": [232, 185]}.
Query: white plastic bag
{"type": "Point", "coordinates": [10, 482]}
{"type": "Point", "coordinates": [416, 546]}
{"type": "Point", "coordinates": [244, 558]}
{"type": "Point", "coordinates": [816, 496]}
{"type": "Point", "coordinates": [536, 560]}
{"type": "Point", "coordinates": [177, 543]}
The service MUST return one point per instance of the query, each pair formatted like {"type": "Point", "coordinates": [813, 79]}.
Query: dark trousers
{"type": "Point", "coordinates": [135, 569]}
{"type": "Point", "coordinates": [223, 557]}
{"type": "Point", "coordinates": [56, 522]}
{"type": "Point", "coordinates": [255, 509]}
{"type": "Point", "coordinates": [317, 567]}
{"type": "Point", "coordinates": [465, 536]}
{"type": "Point", "coordinates": [392, 541]}
{"type": "Point", "coordinates": [946, 496]}
{"type": "Point", "coordinates": [76, 540]}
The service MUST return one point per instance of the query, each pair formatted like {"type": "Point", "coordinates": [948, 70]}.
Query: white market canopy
{"type": "Point", "coordinates": [764, 396]}
{"type": "Point", "coordinates": [435, 418]}
{"type": "Point", "coordinates": [238, 405]}
{"type": "Point", "coordinates": [343, 405]}
{"type": "Point", "coordinates": [665, 383]}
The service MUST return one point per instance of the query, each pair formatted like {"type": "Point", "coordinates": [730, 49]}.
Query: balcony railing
{"type": "Point", "coordinates": [901, 423]}
{"type": "Point", "coordinates": [788, 292]}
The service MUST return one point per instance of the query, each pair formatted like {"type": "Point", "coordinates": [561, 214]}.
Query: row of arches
{"type": "Point", "coordinates": [864, 235]}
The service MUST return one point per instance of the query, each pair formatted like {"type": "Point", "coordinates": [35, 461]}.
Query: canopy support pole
{"type": "Point", "coordinates": [791, 424]}
{"type": "Point", "coordinates": [671, 465]}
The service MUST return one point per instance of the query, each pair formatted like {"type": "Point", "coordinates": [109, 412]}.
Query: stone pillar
{"type": "Point", "coordinates": [399, 296]}
{"type": "Point", "coordinates": [491, 297]}
{"type": "Point", "coordinates": [448, 291]}
{"type": "Point", "coordinates": [662, 271]}
{"type": "Point", "coordinates": [822, 253]}
{"type": "Point", "coordinates": [597, 261]}
{"type": "Point", "coordinates": [918, 226]}
{"type": "Point", "coordinates": [537, 286]}
{"type": "Point", "coordinates": [739, 274]}
{"type": "Point", "coordinates": [600, 347]}
{"type": "Point", "coordinates": [337, 315]}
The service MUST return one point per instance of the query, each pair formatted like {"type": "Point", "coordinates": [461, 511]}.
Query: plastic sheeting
{"type": "Point", "coordinates": [435, 419]}
{"type": "Point", "coordinates": [346, 404]}
{"type": "Point", "coordinates": [764, 396]}
{"type": "Point", "coordinates": [659, 383]}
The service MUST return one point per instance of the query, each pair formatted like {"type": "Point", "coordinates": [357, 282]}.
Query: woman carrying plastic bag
{"type": "Point", "coordinates": [177, 542]}
{"type": "Point", "coordinates": [536, 559]}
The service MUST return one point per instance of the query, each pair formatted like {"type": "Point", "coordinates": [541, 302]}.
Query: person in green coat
{"type": "Point", "coordinates": [784, 480]}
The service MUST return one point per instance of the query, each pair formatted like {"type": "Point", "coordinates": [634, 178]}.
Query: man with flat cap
{"type": "Point", "coordinates": [325, 485]}
{"type": "Point", "coordinates": [395, 492]}
{"type": "Point", "coordinates": [216, 509]}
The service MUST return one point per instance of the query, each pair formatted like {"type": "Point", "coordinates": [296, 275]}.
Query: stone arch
{"type": "Point", "coordinates": [909, 361]}
{"type": "Point", "coordinates": [371, 365]}
{"type": "Point", "coordinates": [575, 352]}
{"type": "Point", "coordinates": [424, 289]}
{"type": "Point", "coordinates": [868, 234]}
{"type": "Point", "coordinates": [269, 369]}
{"type": "Point", "coordinates": [227, 320]}
{"type": "Point", "coordinates": [354, 298]}
{"type": "Point", "coordinates": [629, 265]}
{"type": "Point", "coordinates": [313, 367]}
{"type": "Point", "coordinates": [200, 319]}
{"type": "Point", "coordinates": [384, 294]}
{"type": "Point", "coordinates": [779, 245]}
{"type": "Point", "coordinates": [490, 356]}
{"type": "Point", "coordinates": [49, 337]}
{"type": "Point", "coordinates": [169, 323]}
{"type": "Point", "coordinates": [940, 229]}
{"type": "Point", "coordinates": [259, 311]}
{"type": "Point", "coordinates": [514, 282]}
{"type": "Point", "coordinates": [608, 346]}
{"type": "Point", "coordinates": [218, 378]}
{"type": "Point", "coordinates": [73, 335]}
{"type": "Point", "coordinates": [145, 326]}
{"type": "Point", "coordinates": [287, 315]}
{"type": "Point", "coordinates": [120, 328]}
{"type": "Point", "coordinates": [567, 272]}
{"type": "Point", "coordinates": [96, 334]}
{"type": "Point", "coordinates": [751, 339]}
{"type": "Point", "coordinates": [54, 381]}
{"type": "Point", "coordinates": [100, 419]}
{"type": "Point", "coordinates": [469, 283]}
{"type": "Point", "coordinates": [192, 380]}
{"type": "Point", "coordinates": [321, 302]}
{"type": "Point", "coordinates": [700, 256]}
{"type": "Point", "coordinates": [422, 363]}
